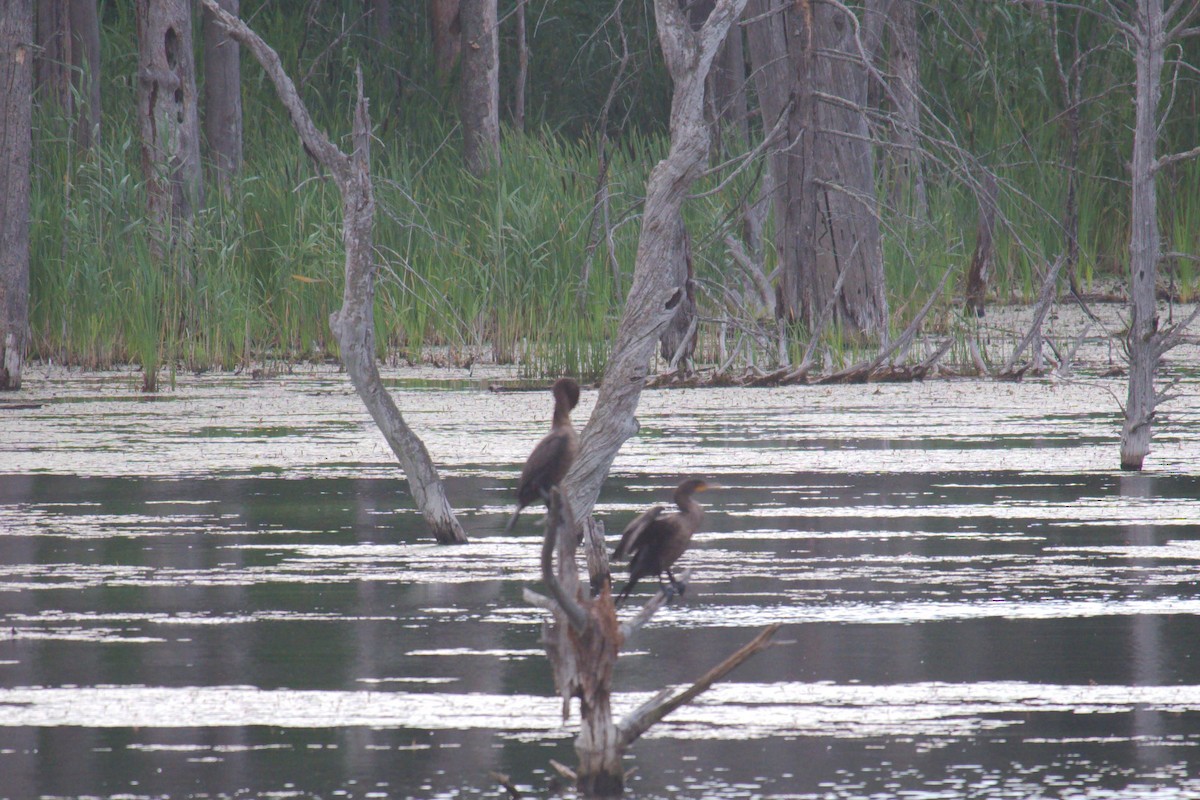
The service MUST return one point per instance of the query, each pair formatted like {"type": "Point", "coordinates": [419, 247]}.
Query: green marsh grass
{"type": "Point", "coordinates": [469, 264]}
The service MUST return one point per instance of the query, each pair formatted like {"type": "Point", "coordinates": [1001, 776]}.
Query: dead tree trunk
{"type": "Point", "coordinates": [381, 25]}
{"type": "Point", "coordinates": [223, 99]}
{"type": "Point", "coordinates": [1070, 80]}
{"type": "Point", "coordinates": [838, 212]}
{"type": "Point", "coordinates": [522, 69]}
{"type": "Point", "coordinates": [809, 69]}
{"type": "Point", "coordinates": [904, 62]}
{"type": "Point", "coordinates": [729, 91]}
{"type": "Point", "coordinates": [353, 325]}
{"type": "Point", "coordinates": [170, 128]}
{"type": "Point", "coordinates": [1146, 343]}
{"type": "Point", "coordinates": [16, 109]}
{"type": "Point", "coordinates": [767, 40]}
{"type": "Point", "coordinates": [656, 291]}
{"type": "Point", "coordinates": [981, 261]}
{"type": "Point", "coordinates": [67, 66]}
{"type": "Point", "coordinates": [479, 90]}
{"type": "Point", "coordinates": [446, 31]}
{"type": "Point", "coordinates": [1150, 42]}
{"type": "Point", "coordinates": [678, 339]}
{"type": "Point", "coordinates": [583, 641]}
{"type": "Point", "coordinates": [53, 61]}
{"type": "Point", "coordinates": [85, 60]}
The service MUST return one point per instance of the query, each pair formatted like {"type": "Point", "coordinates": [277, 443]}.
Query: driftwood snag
{"type": "Point", "coordinates": [981, 261]}
{"type": "Point", "coordinates": [353, 324]}
{"type": "Point", "coordinates": [658, 287]}
{"type": "Point", "coordinates": [1153, 30]}
{"type": "Point", "coordinates": [583, 641]}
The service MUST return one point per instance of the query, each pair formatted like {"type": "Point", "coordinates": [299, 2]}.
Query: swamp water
{"type": "Point", "coordinates": [223, 591]}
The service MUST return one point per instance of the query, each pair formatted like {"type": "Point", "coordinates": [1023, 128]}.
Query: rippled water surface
{"type": "Point", "coordinates": [223, 591]}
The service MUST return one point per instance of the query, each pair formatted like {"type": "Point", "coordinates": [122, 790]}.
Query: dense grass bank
{"type": "Point", "coordinates": [497, 265]}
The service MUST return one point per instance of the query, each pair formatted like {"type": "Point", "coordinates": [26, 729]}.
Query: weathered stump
{"type": "Point", "coordinates": [583, 640]}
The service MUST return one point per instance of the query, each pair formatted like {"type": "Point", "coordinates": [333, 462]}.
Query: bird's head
{"type": "Point", "coordinates": [693, 486]}
{"type": "Point", "coordinates": [566, 390]}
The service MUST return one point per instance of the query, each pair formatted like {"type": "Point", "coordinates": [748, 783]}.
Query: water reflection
{"type": "Point", "coordinates": [958, 626]}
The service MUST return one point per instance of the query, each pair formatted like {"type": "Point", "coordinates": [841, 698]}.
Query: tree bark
{"type": "Point", "coordinates": [904, 63]}
{"type": "Point", "coordinates": [656, 290]}
{"type": "Point", "coordinates": [67, 67]}
{"type": "Point", "coordinates": [583, 640]}
{"type": "Point", "coordinates": [383, 28]}
{"type": "Point", "coordinates": [1144, 246]}
{"type": "Point", "coordinates": [981, 261]}
{"type": "Point", "coordinates": [353, 325]}
{"type": "Point", "coordinates": [446, 30]}
{"type": "Point", "coordinates": [223, 99]}
{"type": "Point", "coordinates": [822, 176]}
{"type": "Point", "coordinates": [479, 90]}
{"type": "Point", "coordinates": [53, 63]}
{"type": "Point", "coordinates": [837, 210]}
{"type": "Point", "coordinates": [16, 113]}
{"type": "Point", "coordinates": [169, 123]}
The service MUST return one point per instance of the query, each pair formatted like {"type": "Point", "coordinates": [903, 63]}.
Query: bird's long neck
{"type": "Point", "coordinates": [689, 507]}
{"type": "Point", "coordinates": [562, 414]}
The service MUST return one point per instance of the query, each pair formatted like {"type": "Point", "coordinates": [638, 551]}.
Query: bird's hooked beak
{"type": "Point", "coordinates": [704, 487]}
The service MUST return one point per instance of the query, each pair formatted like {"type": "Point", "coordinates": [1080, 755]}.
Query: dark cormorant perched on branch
{"type": "Point", "coordinates": [553, 455]}
{"type": "Point", "coordinates": [654, 542]}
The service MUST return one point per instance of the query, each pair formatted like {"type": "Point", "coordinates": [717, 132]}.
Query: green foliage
{"type": "Point", "coordinates": [499, 262]}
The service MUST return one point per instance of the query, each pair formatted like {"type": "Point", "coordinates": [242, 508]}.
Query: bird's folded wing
{"type": "Point", "coordinates": [629, 539]}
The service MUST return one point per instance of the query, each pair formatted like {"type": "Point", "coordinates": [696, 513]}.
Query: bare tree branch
{"type": "Point", "coordinates": [1045, 298]}
{"type": "Point", "coordinates": [1166, 161]}
{"type": "Point", "coordinates": [632, 625]}
{"type": "Point", "coordinates": [353, 324]}
{"type": "Point", "coordinates": [640, 720]}
{"type": "Point", "coordinates": [558, 528]}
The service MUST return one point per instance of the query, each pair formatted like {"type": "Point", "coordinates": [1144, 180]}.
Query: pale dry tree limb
{"type": "Point", "coordinates": [353, 324]}
{"type": "Point", "coordinates": [1042, 307]}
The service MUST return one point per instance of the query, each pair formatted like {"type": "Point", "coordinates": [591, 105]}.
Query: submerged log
{"type": "Point", "coordinates": [354, 324]}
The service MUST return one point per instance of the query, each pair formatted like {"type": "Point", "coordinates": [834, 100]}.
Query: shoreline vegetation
{"type": "Point", "coordinates": [521, 266]}
{"type": "Point", "coordinates": [1078, 347]}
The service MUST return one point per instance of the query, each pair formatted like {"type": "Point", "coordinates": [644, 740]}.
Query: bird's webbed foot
{"type": "Point", "coordinates": [677, 587]}
{"type": "Point", "coordinates": [672, 588]}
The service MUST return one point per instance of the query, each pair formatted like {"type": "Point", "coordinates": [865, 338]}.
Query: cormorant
{"type": "Point", "coordinates": [654, 542]}
{"type": "Point", "coordinates": [553, 455]}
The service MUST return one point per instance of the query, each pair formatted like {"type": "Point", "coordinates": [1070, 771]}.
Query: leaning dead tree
{"type": "Point", "coordinates": [657, 289]}
{"type": "Point", "coordinates": [1153, 30]}
{"type": "Point", "coordinates": [583, 642]}
{"type": "Point", "coordinates": [353, 324]}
